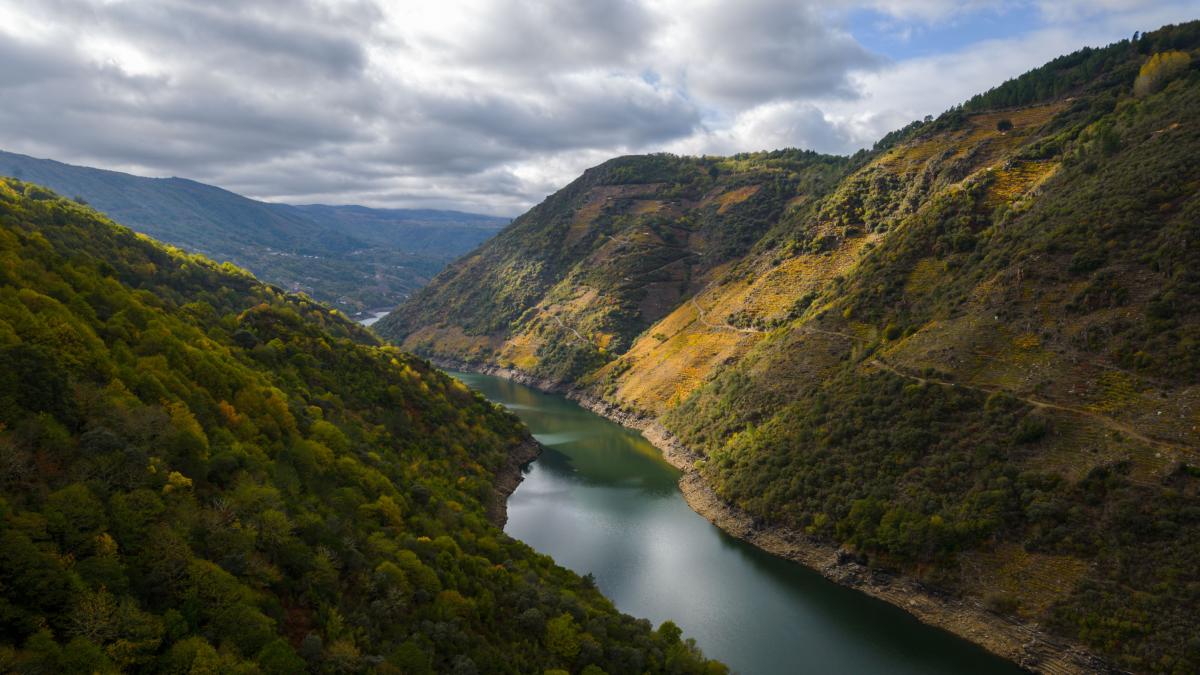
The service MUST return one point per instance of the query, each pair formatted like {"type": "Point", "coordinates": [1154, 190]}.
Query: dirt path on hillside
{"type": "Point", "coordinates": [1103, 420]}
{"type": "Point", "coordinates": [566, 327]}
{"type": "Point", "coordinates": [808, 329]}
{"type": "Point", "coordinates": [685, 256]}
{"type": "Point", "coordinates": [722, 326]}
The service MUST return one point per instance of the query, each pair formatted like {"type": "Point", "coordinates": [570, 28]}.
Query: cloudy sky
{"type": "Point", "coordinates": [489, 105]}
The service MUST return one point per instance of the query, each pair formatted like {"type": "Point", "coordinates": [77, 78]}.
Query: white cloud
{"type": "Point", "coordinates": [759, 51]}
{"type": "Point", "coordinates": [932, 10]}
{"type": "Point", "coordinates": [1074, 10]}
{"type": "Point", "coordinates": [484, 104]}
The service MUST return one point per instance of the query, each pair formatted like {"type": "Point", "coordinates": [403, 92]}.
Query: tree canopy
{"type": "Point", "coordinates": [201, 473]}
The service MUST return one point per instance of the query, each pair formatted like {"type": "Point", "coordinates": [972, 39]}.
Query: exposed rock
{"type": "Point", "coordinates": [509, 477]}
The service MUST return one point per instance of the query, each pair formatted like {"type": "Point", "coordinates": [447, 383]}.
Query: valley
{"type": "Point", "coordinates": [967, 357]}
{"type": "Point", "coordinates": [354, 258]}
{"type": "Point", "coordinates": [602, 500]}
{"type": "Point", "coordinates": [780, 384]}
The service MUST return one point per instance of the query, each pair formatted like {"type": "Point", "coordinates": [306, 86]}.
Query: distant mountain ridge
{"type": "Point", "coordinates": [354, 257]}
{"type": "Point", "coordinates": [420, 231]}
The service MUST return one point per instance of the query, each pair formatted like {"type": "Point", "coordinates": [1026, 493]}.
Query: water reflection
{"type": "Point", "coordinates": [601, 499]}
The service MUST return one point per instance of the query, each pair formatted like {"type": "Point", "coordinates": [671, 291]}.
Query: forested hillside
{"type": "Point", "coordinates": [582, 275]}
{"type": "Point", "coordinates": [200, 474]}
{"type": "Point", "coordinates": [970, 355]}
{"type": "Point", "coordinates": [352, 257]}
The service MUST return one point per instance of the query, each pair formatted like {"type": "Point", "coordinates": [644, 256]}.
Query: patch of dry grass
{"type": "Point", "coordinates": [924, 276]}
{"type": "Point", "coordinates": [1012, 183]}
{"type": "Point", "coordinates": [1034, 581]}
{"type": "Point", "coordinates": [732, 198]}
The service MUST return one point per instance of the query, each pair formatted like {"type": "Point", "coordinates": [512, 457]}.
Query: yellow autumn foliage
{"type": "Point", "coordinates": [1158, 69]}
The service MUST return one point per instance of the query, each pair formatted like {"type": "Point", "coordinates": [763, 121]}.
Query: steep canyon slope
{"type": "Point", "coordinates": [201, 474]}
{"type": "Point", "coordinates": [970, 355]}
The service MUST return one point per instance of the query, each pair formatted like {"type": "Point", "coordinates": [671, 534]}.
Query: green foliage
{"type": "Point", "coordinates": [1086, 69]}
{"type": "Point", "coordinates": [892, 469]}
{"type": "Point", "coordinates": [350, 257]}
{"type": "Point", "coordinates": [562, 637]}
{"type": "Point", "coordinates": [203, 474]}
{"type": "Point", "coordinates": [1065, 247]}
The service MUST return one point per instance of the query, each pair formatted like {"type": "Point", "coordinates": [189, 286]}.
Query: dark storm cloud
{"type": "Point", "coordinates": [592, 112]}
{"type": "Point", "coordinates": [153, 121]}
{"type": "Point", "coordinates": [25, 63]}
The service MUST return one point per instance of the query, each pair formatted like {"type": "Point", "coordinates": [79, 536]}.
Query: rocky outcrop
{"type": "Point", "coordinates": [509, 477]}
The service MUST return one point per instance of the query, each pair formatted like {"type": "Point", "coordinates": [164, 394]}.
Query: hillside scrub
{"type": "Point", "coordinates": [203, 474]}
{"type": "Point", "coordinates": [968, 355]}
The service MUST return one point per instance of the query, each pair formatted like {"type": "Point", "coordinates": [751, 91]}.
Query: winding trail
{"type": "Point", "coordinates": [1103, 420]}
{"type": "Point", "coordinates": [667, 264]}
{"type": "Point", "coordinates": [722, 326]}
{"type": "Point", "coordinates": [855, 338]}
{"type": "Point", "coordinates": [566, 327]}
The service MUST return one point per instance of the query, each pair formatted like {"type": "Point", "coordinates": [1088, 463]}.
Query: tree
{"type": "Point", "coordinates": [1158, 69]}
{"type": "Point", "coordinates": [84, 656]}
{"type": "Point", "coordinates": [278, 658]}
{"type": "Point", "coordinates": [410, 658]}
{"type": "Point", "coordinates": [95, 616]}
{"type": "Point", "coordinates": [1004, 126]}
{"type": "Point", "coordinates": [74, 516]}
{"type": "Point", "coordinates": [562, 636]}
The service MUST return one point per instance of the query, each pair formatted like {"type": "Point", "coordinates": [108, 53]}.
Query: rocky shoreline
{"type": "Point", "coordinates": [1018, 641]}
{"type": "Point", "coordinates": [509, 477]}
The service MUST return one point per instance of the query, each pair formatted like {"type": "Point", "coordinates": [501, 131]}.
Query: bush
{"type": "Point", "coordinates": [1001, 603]}
{"type": "Point", "coordinates": [1030, 429]}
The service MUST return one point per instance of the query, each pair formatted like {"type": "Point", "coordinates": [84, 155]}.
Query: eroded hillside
{"type": "Point", "coordinates": [970, 355]}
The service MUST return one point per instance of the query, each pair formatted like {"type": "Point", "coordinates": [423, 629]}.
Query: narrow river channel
{"type": "Point", "coordinates": [602, 500]}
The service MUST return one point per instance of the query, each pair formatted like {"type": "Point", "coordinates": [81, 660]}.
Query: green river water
{"type": "Point", "coordinates": [601, 499]}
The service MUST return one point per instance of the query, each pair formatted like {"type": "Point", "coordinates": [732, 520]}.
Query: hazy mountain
{"type": "Point", "coordinates": [352, 257]}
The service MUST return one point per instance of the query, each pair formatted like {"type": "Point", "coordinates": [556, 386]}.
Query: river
{"type": "Point", "coordinates": [601, 499]}
{"type": "Point", "coordinates": [375, 317]}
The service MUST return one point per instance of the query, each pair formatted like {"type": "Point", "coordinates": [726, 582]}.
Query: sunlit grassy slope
{"type": "Point", "coordinates": [971, 355]}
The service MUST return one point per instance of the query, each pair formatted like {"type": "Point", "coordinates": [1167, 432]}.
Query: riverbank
{"type": "Point", "coordinates": [508, 477]}
{"type": "Point", "coordinates": [1020, 642]}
